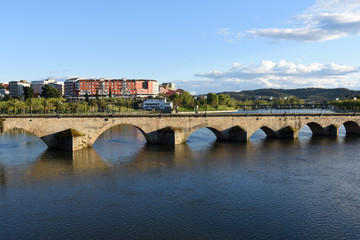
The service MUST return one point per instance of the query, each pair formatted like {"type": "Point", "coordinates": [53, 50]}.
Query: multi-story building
{"type": "Point", "coordinates": [79, 87]}
{"type": "Point", "coordinates": [170, 86]}
{"type": "Point", "coordinates": [3, 92]}
{"type": "Point", "coordinates": [16, 87]}
{"type": "Point", "coordinates": [38, 85]}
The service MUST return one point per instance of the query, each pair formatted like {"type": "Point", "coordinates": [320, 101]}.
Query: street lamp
{"type": "Point", "coordinates": [197, 107]}
{"type": "Point", "coordinates": [205, 97]}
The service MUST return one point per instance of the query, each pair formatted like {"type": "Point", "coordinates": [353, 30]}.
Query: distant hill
{"type": "Point", "coordinates": [308, 94]}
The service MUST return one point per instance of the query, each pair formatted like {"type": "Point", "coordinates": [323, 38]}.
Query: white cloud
{"type": "Point", "coordinates": [283, 74]}
{"type": "Point", "coordinates": [326, 20]}
{"type": "Point", "coordinates": [223, 32]}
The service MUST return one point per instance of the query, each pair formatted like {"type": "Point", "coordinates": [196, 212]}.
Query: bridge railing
{"type": "Point", "coordinates": [266, 109]}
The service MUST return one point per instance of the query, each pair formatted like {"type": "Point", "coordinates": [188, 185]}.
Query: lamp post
{"type": "Point", "coordinates": [205, 97]}
{"type": "Point", "coordinates": [197, 107]}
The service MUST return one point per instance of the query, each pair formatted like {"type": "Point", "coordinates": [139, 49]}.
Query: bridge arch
{"type": "Point", "coordinates": [351, 127]}
{"type": "Point", "coordinates": [95, 136]}
{"type": "Point", "coordinates": [29, 131]}
{"type": "Point", "coordinates": [270, 133]}
{"type": "Point", "coordinates": [218, 134]}
{"type": "Point", "coordinates": [316, 128]}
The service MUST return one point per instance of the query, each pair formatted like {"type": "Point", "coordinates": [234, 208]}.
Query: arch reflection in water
{"type": "Point", "coordinates": [57, 164]}
{"type": "Point", "coordinates": [202, 138]}
{"type": "Point", "coordinates": [19, 147]}
{"type": "Point", "coordinates": [120, 143]}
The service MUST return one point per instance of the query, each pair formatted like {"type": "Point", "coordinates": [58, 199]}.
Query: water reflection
{"type": "Point", "coordinates": [58, 164]}
{"type": "Point", "coordinates": [124, 188]}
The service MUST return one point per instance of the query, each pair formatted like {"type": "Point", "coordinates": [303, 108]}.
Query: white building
{"type": "Point", "coordinates": [38, 85]}
{"type": "Point", "coordinates": [16, 87]}
{"type": "Point", "coordinates": [170, 86]}
{"type": "Point", "coordinates": [3, 92]}
{"type": "Point", "coordinates": [160, 104]}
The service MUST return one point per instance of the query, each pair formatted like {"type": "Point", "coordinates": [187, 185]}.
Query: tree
{"type": "Point", "coordinates": [212, 99]}
{"type": "Point", "coordinates": [58, 104]}
{"type": "Point", "coordinates": [102, 104]}
{"type": "Point", "coordinates": [4, 107]}
{"type": "Point", "coordinates": [86, 97]}
{"type": "Point", "coordinates": [187, 99]}
{"type": "Point", "coordinates": [74, 107]}
{"type": "Point", "coordinates": [28, 92]}
{"type": "Point", "coordinates": [30, 103]}
{"type": "Point", "coordinates": [45, 103]}
{"type": "Point", "coordinates": [92, 103]}
{"type": "Point", "coordinates": [15, 104]}
{"type": "Point", "coordinates": [119, 102]}
{"type": "Point", "coordinates": [224, 99]}
{"type": "Point", "coordinates": [50, 92]}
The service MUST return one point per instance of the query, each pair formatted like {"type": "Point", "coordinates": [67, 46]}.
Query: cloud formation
{"type": "Point", "coordinates": [326, 20]}
{"type": "Point", "coordinates": [283, 74]}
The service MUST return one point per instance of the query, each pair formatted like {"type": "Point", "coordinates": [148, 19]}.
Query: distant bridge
{"type": "Point", "coordinates": [73, 132]}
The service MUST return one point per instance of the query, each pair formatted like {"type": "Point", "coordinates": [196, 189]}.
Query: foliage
{"type": "Point", "coordinates": [347, 104]}
{"type": "Point", "coordinates": [307, 94]}
{"type": "Point", "coordinates": [213, 99]}
{"type": "Point", "coordinates": [28, 92]}
{"type": "Point", "coordinates": [50, 92]}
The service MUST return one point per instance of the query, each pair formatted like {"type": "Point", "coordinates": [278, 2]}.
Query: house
{"type": "Point", "coordinates": [159, 104]}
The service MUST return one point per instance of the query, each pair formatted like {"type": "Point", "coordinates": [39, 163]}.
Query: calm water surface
{"type": "Point", "coordinates": [124, 189]}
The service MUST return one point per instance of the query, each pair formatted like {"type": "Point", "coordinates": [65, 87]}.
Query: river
{"type": "Point", "coordinates": [307, 188]}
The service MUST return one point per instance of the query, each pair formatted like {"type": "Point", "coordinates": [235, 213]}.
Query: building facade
{"type": "Point", "coordinates": [3, 92]}
{"type": "Point", "coordinates": [170, 86]}
{"type": "Point", "coordinates": [79, 87]}
{"type": "Point", "coordinates": [16, 87]}
{"type": "Point", "coordinates": [38, 85]}
{"type": "Point", "coordinates": [159, 104]}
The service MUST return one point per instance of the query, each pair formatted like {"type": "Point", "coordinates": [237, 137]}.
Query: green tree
{"type": "Point", "coordinates": [175, 98]}
{"type": "Point", "coordinates": [187, 99]}
{"type": "Point", "coordinates": [224, 99]}
{"type": "Point", "coordinates": [102, 104]}
{"type": "Point", "coordinates": [46, 104]}
{"type": "Point", "coordinates": [86, 97]}
{"type": "Point", "coordinates": [15, 104]}
{"type": "Point", "coordinates": [92, 104]}
{"type": "Point", "coordinates": [4, 107]}
{"type": "Point", "coordinates": [58, 104]}
{"type": "Point", "coordinates": [31, 103]}
{"type": "Point", "coordinates": [50, 92]}
{"type": "Point", "coordinates": [119, 103]}
{"type": "Point", "coordinates": [74, 107]}
{"type": "Point", "coordinates": [28, 92]}
{"type": "Point", "coordinates": [213, 99]}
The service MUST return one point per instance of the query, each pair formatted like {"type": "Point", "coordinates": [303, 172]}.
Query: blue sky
{"type": "Point", "coordinates": [200, 45]}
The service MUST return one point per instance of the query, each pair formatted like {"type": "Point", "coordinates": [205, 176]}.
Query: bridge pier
{"type": "Point", "coordinates": [234, 134]}
{"type": "Point", "coordinates": [166, 136]}
{"type": "Point", "coordinates": [68, 140]}
{"type": "Point", "coordinates": [288, 132]}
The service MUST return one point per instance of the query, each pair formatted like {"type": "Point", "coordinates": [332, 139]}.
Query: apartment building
{"type": "Point", "coordinates": [38, 85]}
{"type": "Point", "coordinates": [79, 87]}
{"type": "Point", "coordinates": [16, 87]}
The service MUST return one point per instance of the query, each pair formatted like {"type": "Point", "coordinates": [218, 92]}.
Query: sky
{"type": "Point", "coordinates": [201, 45]}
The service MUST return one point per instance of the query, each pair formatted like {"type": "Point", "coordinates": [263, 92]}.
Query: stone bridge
{"type": "Point", "coordinates": [73, 132]}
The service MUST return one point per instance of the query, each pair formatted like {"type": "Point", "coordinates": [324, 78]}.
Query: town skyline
{"type": "Point", "coordinates": [205, 46]}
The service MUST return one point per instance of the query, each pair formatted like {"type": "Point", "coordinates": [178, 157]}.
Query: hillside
{"type": "Point", "coordinates": [309, 94]}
